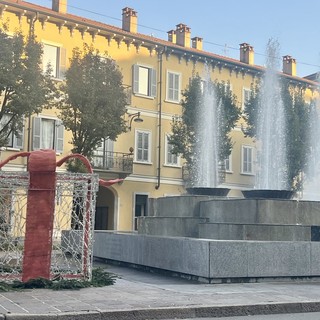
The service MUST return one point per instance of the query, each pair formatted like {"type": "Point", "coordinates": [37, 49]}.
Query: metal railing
{"type": "Point", "coordinates": [113, 161]}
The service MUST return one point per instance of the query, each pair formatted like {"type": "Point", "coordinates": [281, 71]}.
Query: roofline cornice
{"type": "Point", "coordinates": [44, 14]}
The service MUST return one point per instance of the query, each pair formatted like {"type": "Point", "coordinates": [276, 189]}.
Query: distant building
{"type": "Point", "coordinates": [155, 72]}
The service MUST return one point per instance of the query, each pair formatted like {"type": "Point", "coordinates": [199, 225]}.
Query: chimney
{"type": "Point", "coordinates": [129, 20]}
{"type": "Point", "coordinates": [246, 53]}
{"type": "Point", "coordinates": [197, 43]}
{"type": "Point", "coordinates": [183, 34]}
{"type": "Point", "coordinates": [59, 6]}
{"type": "Point", "coordinates": [289, 66]}
{"type": "Point", "coordinates": [172, 36]}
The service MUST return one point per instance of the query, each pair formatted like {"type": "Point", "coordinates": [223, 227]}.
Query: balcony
{"type": "Point", "coordinates": [117, 163]}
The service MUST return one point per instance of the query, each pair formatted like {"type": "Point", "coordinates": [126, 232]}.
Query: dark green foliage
{"type": "Point", "coordinates": [23, 86]}
{"type": "Point", "coordinates": [251, 112]}
{"type": "Point", "coordinates": [100, 278]}
{"type": "Point", "coordinates": [8, 269]}
{"type": "Point", "coordinates": [69, 284]}
{"type": "Point", "coordinates": [184, 131]}
{"type": "Point", "coordinates": [39, 283]}
{"type": "Point", "coordinates": [94, 102]}
{"type": "Point", "coordinates": [5, 287]}
{"type": "Point", "coordinates": [231, 114]}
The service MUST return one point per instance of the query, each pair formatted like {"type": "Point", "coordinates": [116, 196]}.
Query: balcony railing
{"type": "Point", "coordinates": [113, 161]}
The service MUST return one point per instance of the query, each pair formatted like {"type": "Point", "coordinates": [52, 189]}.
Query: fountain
{"type": "Point", "coordinates": [271, 179]}
{"type": "Point", "coordinates": [311, 185]}
{"type": "Point", "coordinates": [225, 240]}
{"type": "Point", "coordinates": [208, 136]}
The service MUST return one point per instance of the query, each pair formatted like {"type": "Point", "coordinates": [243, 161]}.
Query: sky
{"type": "Point", "coordinates": [223, 24]}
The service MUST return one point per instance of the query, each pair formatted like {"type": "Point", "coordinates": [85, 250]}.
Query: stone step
{"type": "Point", "coordinates": [259, 232]}
{"type": "Point", "coordinates": [257, 211]}
{"type": "Point", "coordinates": [170, 226]}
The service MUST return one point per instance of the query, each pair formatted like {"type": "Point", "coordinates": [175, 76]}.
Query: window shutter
{"type": "Point", "coordinates": [153, 82]}
{"type": "Point", "coordinates": [18, 140]}
{"type": "Point", "coordinates": [135, 84]}
{"type": "Point", "coordinates": [36, 133]}
{"type": "Point", "coordinates": [146, 147]}
{"type": "Point", "coordinates": [59, 137]}
{"type": "Point", "coordinates": [139, 146]}
{"type": "Point", "coordinates": [62, 62]}
{"type": "Point", "coordinates": [176, 87]}
{"type": "Point", "coordinates": [170, 86]}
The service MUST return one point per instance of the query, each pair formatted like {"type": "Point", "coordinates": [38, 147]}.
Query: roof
{"type": "Point", "coordinates": [152, 41]}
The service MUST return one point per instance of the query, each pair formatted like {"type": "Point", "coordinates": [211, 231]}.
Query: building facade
{"type": "Point", "coordinates": [155, 72]}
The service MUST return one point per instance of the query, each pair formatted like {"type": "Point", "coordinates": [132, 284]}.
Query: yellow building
{"type": "Point", "coordinates": [155, 72]}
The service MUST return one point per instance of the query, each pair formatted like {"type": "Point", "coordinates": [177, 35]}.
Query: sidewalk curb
{"type": "Point", "coordinates": [178, 313]}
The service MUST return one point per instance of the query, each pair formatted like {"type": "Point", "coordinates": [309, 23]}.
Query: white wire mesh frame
{"type": "Point", "coordinates": [73, 224]}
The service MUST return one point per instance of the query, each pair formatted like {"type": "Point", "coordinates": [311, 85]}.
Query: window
{"type": "Point", "coordinates": [14, 141]}
{"type": "Point", "coordinates": [141, 208]}
{"type": "Point", "coordinates": [170, 158]}
{"type": "Point", "coordinates": [144, 81]}
{"type": "Point", "coordinates": [143, 147]}
{"type": "Point", "coordinates": [228, 164]}
{"type": "Point", "coordinates": [247, 160]}
{"type": "Point", "coordinates": [56, 57]}
{"type": "Point", "coordinates": [47, 134]}
{"type": "Point", "coordinates": [173, 87]}
{"type": "Point", "coordinates": [103, 156]}
{"type": "Point", "coordinates": [227, 86]}
{"type": "Point", "coordinates": [246, 97]}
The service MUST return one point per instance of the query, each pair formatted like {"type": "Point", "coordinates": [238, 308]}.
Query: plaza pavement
{"type": "Point", "coordinates": [141, 295]}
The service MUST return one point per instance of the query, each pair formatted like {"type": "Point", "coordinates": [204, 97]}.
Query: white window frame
{"type": "Point", "coordinates": [168, 154]}
{"type": "Point", "coordinates": [229, 160]}
{"type": "Point", "coordinates": [59, 71]}
{"type": "Point", "coordinates": [245, 164]}
{"type": "Point", "coordinates": [174, 89]}
{"type": "Point", "coordinates": [58, 134]}
{"type": "Point", "coordinates": [144, 132]}
{"type": "Point", "coordinates": [245, 91]}
{"type": "Point", "coordinates": [151, 81]}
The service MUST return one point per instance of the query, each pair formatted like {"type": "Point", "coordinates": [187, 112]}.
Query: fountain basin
{"type": "Point", "coordinates": [207, 191]}
{"type": "Point", "coordinates": [268, 194]}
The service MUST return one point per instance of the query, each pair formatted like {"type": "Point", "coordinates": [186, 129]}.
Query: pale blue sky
{"type": "Point", "coordinates": [223, 24]}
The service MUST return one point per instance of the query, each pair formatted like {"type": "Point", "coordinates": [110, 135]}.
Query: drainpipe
{"type": "Point", "coordinates": [159, 120]}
